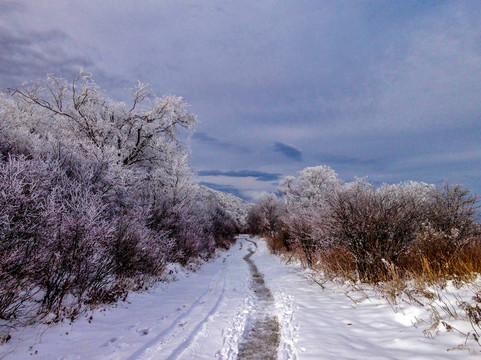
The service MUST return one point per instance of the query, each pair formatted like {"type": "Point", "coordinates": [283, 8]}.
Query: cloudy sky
{"type": "Point", "coordinates": [390, 90]}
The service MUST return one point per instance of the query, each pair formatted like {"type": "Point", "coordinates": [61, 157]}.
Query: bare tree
{"type": "Point", "coordinates": [102, 127]}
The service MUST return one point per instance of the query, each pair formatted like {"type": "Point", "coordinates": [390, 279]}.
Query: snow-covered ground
{"type": "Point", "coordinates": [217, 312]}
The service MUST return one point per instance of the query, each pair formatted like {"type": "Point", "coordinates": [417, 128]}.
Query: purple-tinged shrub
{"type": "Point", "coordinates": [96, 196]}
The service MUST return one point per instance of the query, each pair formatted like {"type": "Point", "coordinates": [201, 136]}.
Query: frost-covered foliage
{"type": "Point", "coordinates": [310, 189]}
{"type": "Point", "coordinates": [265, 216]}
{"type": "Point", "coordinates": [234, 206]}
{"type": "Point", "coordinates": [306, 225]}
{"type": "Point", "coordinates": [358, 227]}
{"type": "Point", "coordinates": [96, 196]}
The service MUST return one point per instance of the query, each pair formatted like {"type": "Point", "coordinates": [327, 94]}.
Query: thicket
{"type": "Point", "coordinates": [96, 197]}
{"type": "Point", "coordinates": [358, 231]}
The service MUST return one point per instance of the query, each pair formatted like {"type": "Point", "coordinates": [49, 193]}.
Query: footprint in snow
{"type": "Point", "coordinates": [143, 332]}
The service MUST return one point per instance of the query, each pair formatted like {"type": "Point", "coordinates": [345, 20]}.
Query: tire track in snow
{"type": "Point", "coordinates": [189, 340]}
{"type": "Point", "coordinates": [155, 345]}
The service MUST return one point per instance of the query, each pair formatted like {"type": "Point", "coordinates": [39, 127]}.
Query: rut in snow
{"type": "Point", "coordinates": [262, 338]}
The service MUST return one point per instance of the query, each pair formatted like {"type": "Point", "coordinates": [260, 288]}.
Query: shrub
{"type": "Point", "coordinates": [453, 208]}
{"type": "Point", "coordinates": [96, 197]}
{"type": "Point", "coordinates": [384, 233]}
{"type": "Point", "coordinates": [265, 216]}
{"type": "Point", "coordinates": [375, 226]}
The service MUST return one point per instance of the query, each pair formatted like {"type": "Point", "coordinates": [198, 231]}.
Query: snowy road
{"type": "Point", "coordinates": [246, 304]}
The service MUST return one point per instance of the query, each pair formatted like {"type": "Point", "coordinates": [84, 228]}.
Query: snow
{"type": "Point", "coordinates": [326, 323]}
{"type": "Point", "coordinates": [208, 314]}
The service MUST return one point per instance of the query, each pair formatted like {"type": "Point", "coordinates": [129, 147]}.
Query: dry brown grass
{"type": "Point", "coordinates": [336, 262]}
{"type": "Point", "coordinates": [277, 243]}
{"type": "Point", "coordinates": [436, 257]}
{"type": "Point", "coordinates": [433, 258]}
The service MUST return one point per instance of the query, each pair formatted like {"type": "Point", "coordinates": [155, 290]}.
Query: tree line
{"type": "Point", "coordinates": [96, 196]}
{"type": "Point", "coordinates": [359, 231]}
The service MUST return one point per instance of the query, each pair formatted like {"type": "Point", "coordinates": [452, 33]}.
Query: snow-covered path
{"type": "Point", "coordinates": [223, 309]}
{"type": "Point", "coordinates": [203, 315]}
{"type": "Point", "coordinates": [324, 323]}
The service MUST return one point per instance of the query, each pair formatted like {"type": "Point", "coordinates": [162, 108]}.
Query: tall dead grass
{"type": "Point", "coordinates": [432, 258]}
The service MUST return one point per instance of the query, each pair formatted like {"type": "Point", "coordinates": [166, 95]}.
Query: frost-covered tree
{"type": "Point", "coordinates": [103, 128]}
{"type": "Point", "coordinates": [306, 223]}
{"type": "Point", "coordinates": [96, 196]}
{"type": "Point", "coordinates": [311, 188]}
{"type": "Point", "coordinates": [374, 225]}
{"type": "Point", "coordinates": [265, 216]}
{"type": "Point", "coordinates": [357, 226]}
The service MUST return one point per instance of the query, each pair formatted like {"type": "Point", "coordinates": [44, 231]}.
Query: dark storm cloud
{"type": "Point", "coordinates": [30, 55]}
{"type": "Point", "coordinates": [259, 175]}
{"type": "Point", "coordinates": [388, 90]}
{"type": "Point", "coordinates": [207, 139]}
{"type": "Point", "coordinates": [288, 151]}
